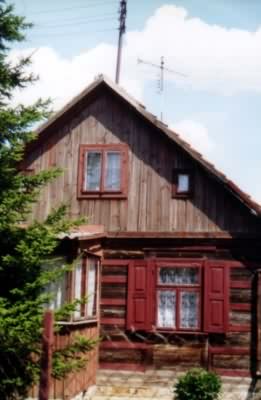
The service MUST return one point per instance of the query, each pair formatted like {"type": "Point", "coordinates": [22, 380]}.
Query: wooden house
{"type": "Point", "coordinates": [178, 242]}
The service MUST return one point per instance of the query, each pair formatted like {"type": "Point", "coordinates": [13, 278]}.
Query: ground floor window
{"type": "Point", "coordinates": [79, 283]}
{"type": "Point", "coordinates": [85, 288]}
{"type": "Point", "coordinates": [178, 297]}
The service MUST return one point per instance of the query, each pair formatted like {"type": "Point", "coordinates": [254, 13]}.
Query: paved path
{"type": "Point", "coordinates": [157, 385]}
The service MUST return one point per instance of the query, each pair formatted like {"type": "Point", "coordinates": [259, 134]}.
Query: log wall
{"type": "Point", "coordinates": [233, 353]}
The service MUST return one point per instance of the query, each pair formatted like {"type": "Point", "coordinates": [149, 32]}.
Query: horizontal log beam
{"type": "Point", "coordinates": [240, 328]}
{"type": "Point", "coordinates": [240, 307]}
{"type": "Point", "coordinates": [113, 321]}
{"type": "Point", "coordinates": [124, 345]}
{"type": "Point", "coordinates": [181, 235]}
{"type": "Point", "coordinates": [116, 263]}
{"type": "Point", "coordinates": [241, 373]}
{"type": "Point", "coordinates": [240, 284]}
{"type": "Point", "coordinates": [122, 366]}
{"type": "Point", "coordinates": [113, 302]}
{"type": "Point", "coordinates": [114, 279]}
{"type": "Point", "coordinates": [233, 351]}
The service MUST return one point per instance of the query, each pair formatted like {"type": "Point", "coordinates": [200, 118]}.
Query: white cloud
{"type": "Point", "coordinates": [196, 134]}
{"type": "Point", "coordinates": [214, 58]}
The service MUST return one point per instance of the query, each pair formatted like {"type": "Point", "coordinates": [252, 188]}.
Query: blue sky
{"type": "Point", "coordinates": [216, 43]}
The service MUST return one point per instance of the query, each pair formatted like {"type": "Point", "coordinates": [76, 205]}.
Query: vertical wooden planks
{"type": "Point", "coordinates": [149, 206]}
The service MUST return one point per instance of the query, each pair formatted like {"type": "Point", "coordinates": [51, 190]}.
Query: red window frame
{"type": "Point", "coordinates": [182, 194]}
{"type": "Point", "coordinates": [83, 309]}
{"type": "Point", "coordinates": [103, 192]}
{"type": "Point", "coordinates": [178, 288]}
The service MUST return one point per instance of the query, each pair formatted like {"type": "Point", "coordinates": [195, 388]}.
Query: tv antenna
{"type": "Point", "coordinates": [161, 67]}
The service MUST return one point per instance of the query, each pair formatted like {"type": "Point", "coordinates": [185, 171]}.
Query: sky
{"type": "Point", "coordinates": [216, 44]}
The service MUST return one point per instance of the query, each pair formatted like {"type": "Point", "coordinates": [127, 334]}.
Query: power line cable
{"type": "Point", "coordinates": [76, 22]}
{"type": "Point", "coordinates": [71, 19]}
{"type": "Point", "coordinates": [59, 10]}
{"type": "Point", "coordinates": [69, 33]}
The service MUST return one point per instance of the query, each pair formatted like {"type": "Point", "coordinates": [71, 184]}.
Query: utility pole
{"type": "Point", "coordinates": [161, 67]}
{"type": "Point", "coordinates": [122, 29]}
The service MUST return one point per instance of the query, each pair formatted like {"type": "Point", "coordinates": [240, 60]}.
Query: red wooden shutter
{"type": "Point", "coordinates": [216, 296]}
{"type": "Point", "coordinates": [140, 301]}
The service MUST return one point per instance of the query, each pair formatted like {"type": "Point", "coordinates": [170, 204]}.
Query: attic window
{"type": "Point", "coordinates": [102, 171]}
{"type": "Point", "coordinates": [182, 183]}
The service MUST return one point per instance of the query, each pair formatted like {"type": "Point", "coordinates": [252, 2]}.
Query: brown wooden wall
{"type": "Point", "coordinates": [80, 381]}
{"type": "Point", "coordinates": [233, 353]}
{"type": "Point", "coordinates": [152, 157]}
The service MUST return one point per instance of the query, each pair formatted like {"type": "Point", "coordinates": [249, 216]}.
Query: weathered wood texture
{"type": "Point", "coordinates": [225, 353]}
{"type": "Point", "coordinates": [79, 381]}
{"type": "Point", "coordinates": [149, 206]}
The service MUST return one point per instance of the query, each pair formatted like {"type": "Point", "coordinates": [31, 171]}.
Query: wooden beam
{"type": "Point", "coordinates": [46, 356]}
{"type": "Point", "coordinates": [122, 366]}
{"type": "Point", "coordinates": [233, 351]}
{"type": "Point", "coordinates": [239, 328]}
{"type": "Point", "coordinates": [240, 306]}
{"type": "Point", "coordinates": [181, 235]}
{"type": "Point", "coordinates": [240, 373]}
{"type": "Point", "coordinates": [113, 321]}
{"type": "Point", "coordinates": [124, 345]}
{"type": "Point", "coordinates": [114, 279]}
{"type": "Point", "coordinates": [113, 302]}
{"type": "Point", "coordinates": [240, 284]}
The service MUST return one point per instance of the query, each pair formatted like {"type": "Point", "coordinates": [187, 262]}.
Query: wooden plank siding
{"type": "Point", "coordinates": [78, 381]}
{"type": "Point", "coordinates": [224, 353]}
{"type": "Point", "coordinates": [149, 206]}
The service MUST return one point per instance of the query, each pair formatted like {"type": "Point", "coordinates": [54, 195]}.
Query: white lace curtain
{"type": "Point", "coordinates": [189, 310]}
{"type": "Point", "coordinates": [178, 276]}
{"type": "Point", "coordinates": [167, 309]}
{"type": "Point", "coordinates": [188, 305]}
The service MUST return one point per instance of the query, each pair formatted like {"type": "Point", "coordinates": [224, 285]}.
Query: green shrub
{"type": "Point", "coordinates": [198, 384]}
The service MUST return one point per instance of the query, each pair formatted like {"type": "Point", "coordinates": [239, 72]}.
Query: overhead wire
{"type": "Point", "coordinates": [72, 23]}
{"type": "Point", "coordinates": [86, 6]}
{"type": "Point", "coordinates": [71, 19]}
{"type": "Point", "coordinates": [51, 27]}
{"type": "Point", "coordinates": [70, 33]}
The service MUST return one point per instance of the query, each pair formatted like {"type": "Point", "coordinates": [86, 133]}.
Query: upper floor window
{"type": "Point", "coordinates": [182, 183]}
{"type": "Point", "coordinates": [102, 171]}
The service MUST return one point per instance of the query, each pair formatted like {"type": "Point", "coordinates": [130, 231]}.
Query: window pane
{"type": "Point", "coordinates": [78, 288]}
{"type": "Point", "coordinates": [93, 171]}
{"type": "Point", "coordinates": [166, 309]}
{"type": "Point", "coordinates": [56, 288]}
{"type": "Point", "coordinates": [179, 276]}
{"type": "Point", "coordinates": [189, 307]}
{"type": "Point", "coordinates": [91, 288]}
{"type": "Point", "coordinates": [113, 171]}
{"type": "Point", "coordinates": [183, 183]}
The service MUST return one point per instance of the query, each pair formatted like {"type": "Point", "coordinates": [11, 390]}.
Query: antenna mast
{"type": "Point", "coordinates": [162, 69]}
{"type": "Point", "coordinates": [122, 29]}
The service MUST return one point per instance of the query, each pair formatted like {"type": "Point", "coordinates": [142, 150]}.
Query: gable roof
{"type": "Point", "coordinates": [103, 81]}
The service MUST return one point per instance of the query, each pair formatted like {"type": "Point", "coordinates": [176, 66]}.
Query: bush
{"type": "Point", "coordinates": [198, 384]}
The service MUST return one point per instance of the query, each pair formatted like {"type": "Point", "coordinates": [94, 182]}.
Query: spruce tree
{"type": "Point", "coordinates": [22, 250]}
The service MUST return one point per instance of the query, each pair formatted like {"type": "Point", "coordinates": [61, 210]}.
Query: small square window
{"type": "Point", "coordinates": [182, 183]}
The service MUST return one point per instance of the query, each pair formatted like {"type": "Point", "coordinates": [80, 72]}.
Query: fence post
{"type": "Point", "coordinates": [46, 358]}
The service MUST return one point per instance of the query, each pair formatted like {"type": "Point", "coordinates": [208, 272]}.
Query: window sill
{"type": "Point", "coordinates": [101, 196]}
{"type": "Point", "coordinates": [79, 322]}
{"type": "Point", "coordinates": [159, 330]}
